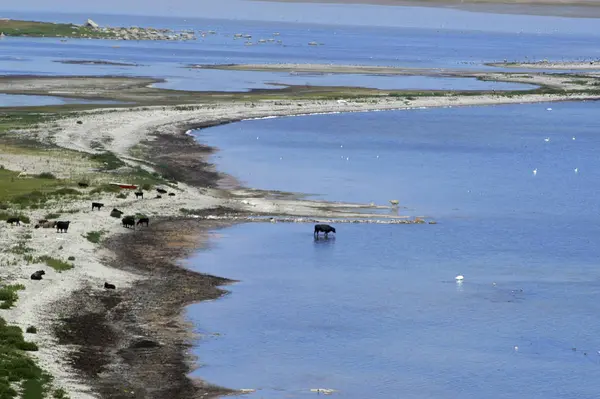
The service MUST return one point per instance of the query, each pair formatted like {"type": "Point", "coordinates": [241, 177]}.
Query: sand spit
{"type": "Point", "coordinates": [593, 65]}
{"type": "Point", "coordinates": [555, 81]}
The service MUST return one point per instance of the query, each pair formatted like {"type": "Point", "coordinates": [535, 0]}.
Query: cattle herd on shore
{"type": "Point", "coordinates": [62, 226]}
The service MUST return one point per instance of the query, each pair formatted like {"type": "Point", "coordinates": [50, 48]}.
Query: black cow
{"type": "Point", "coordinates": [96, 205]}
{"type": "Point", "coordinates": [115, 213]}
{"type": "Point", "coordinates": [128, 221]}
{"type": "Point", "coordinates": [12, 221]}
{"type": "Point", "coordinates": [323, 228]}
{"type": "Point", "coordinates": [38, 275]}
{"type": "Point", "coordinates": [161, 191]}
{"type": "Point", "coordinates": [79, 122]}
{"type": "Point", "coordinates": [62, 226]}
{"type": "Point", "coordinates": [83, 184]}
{"type": "Point", "coordinates": [159, 196]}
{"type": "Point", "coordinates": [171, 194]}
{"type": "Point", "coordinates": [109, 286]}
{"type": "Point", "coordinates": [143, 221]}
{"type": "Point", "coordinates": [139, 194]}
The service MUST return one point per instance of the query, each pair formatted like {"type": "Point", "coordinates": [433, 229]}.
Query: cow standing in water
{"type": "Point", "coordinates": [323, 228]}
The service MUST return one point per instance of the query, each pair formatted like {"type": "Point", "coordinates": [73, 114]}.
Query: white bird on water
{"type": "Point", "coordinates": [460, 277]}
{"type": "Point", "coordinates": [535, 171]}
{"type": "Point", "coordinates": [576, 170]}
{"type": "Point", "coordinates": [573, 138]}
{"type": "Point", "coordinates": [547, 139]}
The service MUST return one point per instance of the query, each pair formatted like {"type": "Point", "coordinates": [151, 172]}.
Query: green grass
{"type": "Point", "coordinates": [108, 160]}
{"type": "Point", "coordinates": [18, 369]}
{"type": "Point", "coordinates": [56, 264]}
{"type": "Point", "coordinates": [46, 175]}
{"type": "Point", "coordinates": [94, 236]}
{"type": "Point", "coordinates": [13, 187]}
{"type": "Point", "coordinates": [60, 394]}
{"type": "Point", "coordinates": [52, 216]}
{"type": "Point", "coordinates": [21, 248]}
{"type": "Point", "coordinates": [48, 29]}
{"type": "Point", "coordinates": [8, 296]}
{"type": "Point", "coordinates": [19, 120]}
{"type": "Point", "coordinates": [36, 199]}
{"type": "Point", "coordinates": [106, 188]}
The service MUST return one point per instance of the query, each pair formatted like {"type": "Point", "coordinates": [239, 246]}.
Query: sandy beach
{"type": "Point", "coordinates": [593, 65]}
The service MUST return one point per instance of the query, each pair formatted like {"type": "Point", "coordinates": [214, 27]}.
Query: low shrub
{"type": "Point", "coordinates": [46, 175]}
{"type": "Point", "coordinates": [8, 295]}
{"type": "Point", "coordinates": [56, 264]}
{"type": "Point", "coordinates": [94, 236]}
{"type": "Point", "coordinates": [31, 330]}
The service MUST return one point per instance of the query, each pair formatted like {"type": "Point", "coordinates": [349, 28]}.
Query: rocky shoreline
{"type": "Point", "coordinates": [137, 33]}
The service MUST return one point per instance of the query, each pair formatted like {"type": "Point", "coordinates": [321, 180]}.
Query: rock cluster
{"type": "Point", "coordinates": [136, 33]}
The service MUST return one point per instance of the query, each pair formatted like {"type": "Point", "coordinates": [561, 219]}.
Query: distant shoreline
{"type": "Point", "coordinates": [554, 8]}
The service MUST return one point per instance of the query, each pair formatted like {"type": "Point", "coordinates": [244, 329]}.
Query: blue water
{"type": "Point", "coordinates": [376, 312]}
{"type": "Point", "coordinates": [401, 46]}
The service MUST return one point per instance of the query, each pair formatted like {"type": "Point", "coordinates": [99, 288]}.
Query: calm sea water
{"type": "Point", "coordinates": [376, 312]}
{"type": "Point", "coordinates": [405, 47]}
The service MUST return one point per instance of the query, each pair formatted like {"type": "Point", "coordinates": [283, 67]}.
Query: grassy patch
{"type": "Point", "coordinates": [122, 195]}
{"type": "Point", "coordinates": [17, 368]}
{"type": "Point", "coordinates": [21, 248]}
{"type": "Point", "coordinates": [60, 394]}
{"type": "Point", "coordinates": [109, 160]}
{"type": "Point", "coordinates": [19, 120]}
{"type": "Point", "coordinates": [12, 186]}
{"type": "Point", "coordinates": [94, 236]}
{"type": "Point", "coordinates": [46, 175]}
{"type": "Point", "coordinates": [57, 264]}
{"type": "Point", "coordinates": [52, 216]}
{"type": "Point", "coordinates": [48, 29]}
{"type": "Point", "coordinates": [106, 188]}
{"type": "Point", "coordinates": [37, 198]}
{"type": "Point", "coordinates": [8, 295]}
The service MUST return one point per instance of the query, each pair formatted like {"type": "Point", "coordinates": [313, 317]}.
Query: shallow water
{"type": "Point", "coordinates": [404, 47]}
{"type": "Point", "coordinates": [376, 312]}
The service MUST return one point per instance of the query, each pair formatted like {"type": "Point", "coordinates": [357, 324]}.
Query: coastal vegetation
{"type": "Point", "coordinates": [12, 27]}
{"type": "Point", "coordinates": [57, 264]}
{"type": "Point", "coordinates": [89, 30]}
